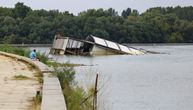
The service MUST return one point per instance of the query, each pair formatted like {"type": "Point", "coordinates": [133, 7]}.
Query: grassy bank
{"type": "Point", "coordinates": [25, 52]}
{"type": "Point", "coordinates": [76, 97]}
{"type": "Point", "coordinates": [22, 52]}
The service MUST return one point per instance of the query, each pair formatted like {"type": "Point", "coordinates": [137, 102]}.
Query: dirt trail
{"type": "Point", "coordinates": [16, 93]}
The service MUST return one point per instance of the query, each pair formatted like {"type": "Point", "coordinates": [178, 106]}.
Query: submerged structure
{"type": "Point", "coordinates": [91, 46]}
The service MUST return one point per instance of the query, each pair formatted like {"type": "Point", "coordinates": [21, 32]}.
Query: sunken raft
{"type": "Point", "coordinates": [91, 46]}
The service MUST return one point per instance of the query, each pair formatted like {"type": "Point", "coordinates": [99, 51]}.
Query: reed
{"type": "Point", "coordinates": [75, 96]}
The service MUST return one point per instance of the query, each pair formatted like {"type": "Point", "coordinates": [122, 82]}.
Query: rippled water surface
{"type": "Point", "coordinates": [144, 82]}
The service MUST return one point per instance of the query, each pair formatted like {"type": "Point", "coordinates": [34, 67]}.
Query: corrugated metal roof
{"type": "Point", "coordinates": [112, 45]}
{"type": "Point", "coordinates": [99, 41]}
{"type": "Point", "coordinates": [135, 51]}
{"type": "Point", "coordinates": [116, 46]}
{"type": "Point", "coordinates": [124, 48]}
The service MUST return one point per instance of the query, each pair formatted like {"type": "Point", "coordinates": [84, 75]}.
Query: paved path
{"type": "Point", "coordinates": [16, 94]}
{"type": "Point", "coordinates": [53, 98]}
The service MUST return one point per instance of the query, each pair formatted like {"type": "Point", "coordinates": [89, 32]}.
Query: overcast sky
{"type": "Point", "coordinates": [76, 6]}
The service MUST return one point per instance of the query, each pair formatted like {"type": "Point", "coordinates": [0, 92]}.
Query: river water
{"type": "Point", "coordinates": [143, 82]}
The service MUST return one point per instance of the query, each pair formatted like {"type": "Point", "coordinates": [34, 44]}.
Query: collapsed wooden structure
{"type": "Point", "coordinates": [91, 46]}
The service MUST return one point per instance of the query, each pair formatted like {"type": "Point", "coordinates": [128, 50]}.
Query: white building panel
{"type": "Point", "coordinates": [69, 45]}
{"type": "Point", "coordinates": [79, 44]}
{"type": "Point", "coordinates": [99, 41]}
{"type": "Point", "coordinates": [116, 46]}
{"type": "Point", "coordinates": [135, 51]}
{"type": "Point", "coordinates": [124, 48]}
{"type": "Point", "coordinates": [112, 45]}
{"type": "Point", "coordinates": [65, 44]}
{"type": "Point", "coordinates": [74, 44]}
{"type": "Point", "coordinates": [58, 44]}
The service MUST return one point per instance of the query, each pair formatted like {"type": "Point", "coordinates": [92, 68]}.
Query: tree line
{"type": "Point", "coordinates": [21, 24]}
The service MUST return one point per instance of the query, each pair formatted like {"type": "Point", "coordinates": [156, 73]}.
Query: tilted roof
{"type": "Point", "coordinates": [115, 46]}
{"type": "Point", "coordinates": [109, 44]}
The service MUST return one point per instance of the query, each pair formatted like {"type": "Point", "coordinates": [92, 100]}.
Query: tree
{"type": "Point", "coordinates": [9, 21]}
{"type": "Point", "coordinates": [156, 25]}
{"type": "Point", "coordinates": [134, 13]}
{"type": "Point", "coordinates": [5, 11]}
{"type": "Point", "coordinates": [9, 39]}
{"type": "Point", "coordinates": [126, 13]}
{"type": "Point", "coordinates": [21, 10]}
{"type": "Point", "coordinates": [175, 37]}
{"type": "Point", "coordinates": [112, 12]}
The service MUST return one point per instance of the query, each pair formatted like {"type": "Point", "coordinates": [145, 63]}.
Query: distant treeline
{"type": "Point", "coordinates": [157, 25]}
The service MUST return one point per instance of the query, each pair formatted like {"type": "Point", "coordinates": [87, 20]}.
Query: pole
{"type": "Point", "coordinates": [95, 94]}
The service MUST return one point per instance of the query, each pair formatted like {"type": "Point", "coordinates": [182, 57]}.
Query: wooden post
{"type": "Point", "coordinates": [95, 94]}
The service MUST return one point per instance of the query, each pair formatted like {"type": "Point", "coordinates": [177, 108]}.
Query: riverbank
{"type": "Point", "coordinates": [51, 86]}
{"type": "Point", "coordinates": [51, 93]}
{"type": "Point", "coordinates": [18, 84]}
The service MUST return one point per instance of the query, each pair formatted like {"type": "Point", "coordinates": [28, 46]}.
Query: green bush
{"type": "Point", "coordinates": [75, 96]}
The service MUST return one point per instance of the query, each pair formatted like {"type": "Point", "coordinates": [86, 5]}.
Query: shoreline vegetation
{"type": "Point", "coordinates": [76, 97]}
{"type": "Point", "coordinates": [55, 64]}
{"type": "Point", "coordinates": [23, 25]}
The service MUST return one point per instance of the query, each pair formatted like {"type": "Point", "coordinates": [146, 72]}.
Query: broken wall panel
{"type": "Point", "coordinates": [73, 44]}
{"type": "Point", "coordinates": [58, 43]}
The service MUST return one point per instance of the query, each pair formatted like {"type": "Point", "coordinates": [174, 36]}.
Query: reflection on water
{"type": "Point", "coordinates": [145, 82]}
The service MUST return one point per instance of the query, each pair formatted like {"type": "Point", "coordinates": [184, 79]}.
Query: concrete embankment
{"type": "Point", "coordinates": [52, 96]}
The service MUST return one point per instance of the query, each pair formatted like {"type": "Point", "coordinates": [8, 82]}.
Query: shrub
{"type": "Point", "coordinates": [75, 96]}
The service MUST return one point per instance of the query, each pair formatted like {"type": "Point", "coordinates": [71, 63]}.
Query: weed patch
{"type": "Point", "coordinates": [75, 96]}
{"type": "Point", "coordinates": [39, 77]}
{"type": "Point", "coordinates": [36, 102]}
{"type": "Point", "coordinates": [56, 64]}
{"type": "Point", "coordinates": [20, 77]}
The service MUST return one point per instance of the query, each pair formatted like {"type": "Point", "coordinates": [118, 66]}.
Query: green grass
{"type": "Point", "coordinates": [19, 51]}
{"type": "Point", "coordinates": [73, 94]}
{"type": "Point", "coordinates": [36, 102]}
{"type": "Point", "coordinates": [44, 59]}
{"type": "Point", "coordinates": [20, 77]}
{"type": "Point", "coordinates": [38, 98]}
{"type": "Point", "coordinates": [39, 77]}
{"type": "Point", "coordinates": [22, 52]}
{"type": "Point", "coordinates": [56, 64]}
